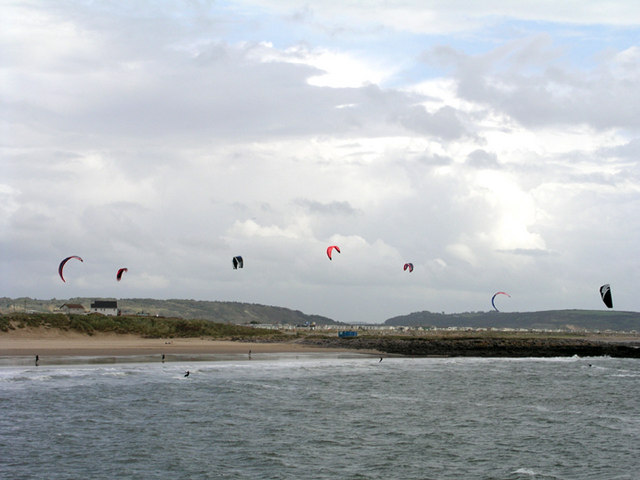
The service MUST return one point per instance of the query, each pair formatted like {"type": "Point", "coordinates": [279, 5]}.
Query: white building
{"type": "Point", "coordinates": [74, 308]}
{"type": "Point", "coordinates": [105, 307]}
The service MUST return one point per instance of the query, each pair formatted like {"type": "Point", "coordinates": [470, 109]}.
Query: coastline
{"type": "Point", "coordinates": [53, 344]}
{"type": "Point", "coordinates": [49, 342]}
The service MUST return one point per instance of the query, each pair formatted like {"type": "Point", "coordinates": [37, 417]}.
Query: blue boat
{"type": "Point", "coordinates": [347, 334]}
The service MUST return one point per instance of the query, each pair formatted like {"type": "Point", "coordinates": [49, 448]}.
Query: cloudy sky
{"type": "Point", "coordinates": [495, 147]}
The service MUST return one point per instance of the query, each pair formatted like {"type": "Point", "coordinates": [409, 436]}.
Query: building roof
{"type": "Point", "coordinates": [72, 305]}
{"type": "Point", "coordinates": [104, 304]}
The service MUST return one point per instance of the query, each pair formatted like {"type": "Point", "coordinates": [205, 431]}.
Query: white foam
{"type": "Point", "coordinates": [525, 471]}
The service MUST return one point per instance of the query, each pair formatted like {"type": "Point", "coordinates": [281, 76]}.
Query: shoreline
{"type": "Point", "coordinates": [22, 345]}
{"type": "Point", "coordinates": [46, 343]}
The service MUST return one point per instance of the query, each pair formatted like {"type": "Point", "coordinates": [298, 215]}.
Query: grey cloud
{"type": "Point", "coordinates": [227, 97]}
{"type": "Point", "coordinates": [328, 208]}
{"type": "Point", "coordinates": [527, 81]}
{"type": "Point", "coordinates": [145, 81]}
{"type": "Point", "coordinates": [435, 160]}
{"type": "Point", "coordinates": [532, 52]}
{"type": "Point", "coordinates": [444, 55]}
{"type": "Point", "coordinates": [629, 150]}
{"type": "Point", "coordinates": [482, 159]}
{"type": "Point", "coordinates": [444, 122]}
{"type": "Point", "coordinates": [530, 252]}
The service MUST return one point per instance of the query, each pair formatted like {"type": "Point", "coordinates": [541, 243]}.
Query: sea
{"type": "Point", "coordinates": [320, 416]}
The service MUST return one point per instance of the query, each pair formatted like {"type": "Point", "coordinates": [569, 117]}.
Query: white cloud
{"type": "Point", "coordinates": [335, 69]}
{"type": "Point", "coordinates": [170, 137]}
{"type": "Point", "coordinates": [514, 212]}
{"type": "Point", "coordinates": [249, 228]}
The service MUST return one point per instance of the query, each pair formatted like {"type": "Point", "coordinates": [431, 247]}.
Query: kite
{"type": "Point", "coordinates": [238, 262]}
{"type": "Point", "coordinates": [331, 249]}
{"type": "Point", "coordinates": [62, 264]}
{"type": "Point", "coordinates": [494, 296]}
{"type": "Point", "coordinates": [120, 272]}
{"type": "Point", "coordinates": [408, 266]}
{"type": "Point", "coordinates": [605, 293]}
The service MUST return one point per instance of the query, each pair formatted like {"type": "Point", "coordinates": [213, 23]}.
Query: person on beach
{"type": "Point", "coordinates": [163, 358]}
{"type": "Point", "coordinates": [249, 354]}
{"type": "Point", "coordinates": [37, 360]}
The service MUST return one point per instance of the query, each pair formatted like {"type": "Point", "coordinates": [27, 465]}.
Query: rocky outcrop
{"type": "Point", "coordinates": [483, 346]}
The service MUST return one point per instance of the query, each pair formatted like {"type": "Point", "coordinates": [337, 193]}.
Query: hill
{"type": "Point", "coordinates": [225, 312]}
{"type": "Point", "coordinates": [146, 327]}
{"type": "Point", "coordinates": [248, 313]}
{"type": "Point", "coordinates": [544, 320]}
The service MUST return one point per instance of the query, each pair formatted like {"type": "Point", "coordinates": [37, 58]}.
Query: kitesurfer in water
{"type": "Point", "coordinates": [186, 373]}
{"type": "Point", "coordinates": [163, 358]}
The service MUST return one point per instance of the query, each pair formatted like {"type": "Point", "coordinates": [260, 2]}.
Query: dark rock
{"type": "Point", "coordinates": [483, 347]}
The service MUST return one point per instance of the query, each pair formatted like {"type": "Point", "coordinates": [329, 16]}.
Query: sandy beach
{"type": "Point", "coordinates": [52, 343]}
{"type": "Point", "coordinates": [42, 341]}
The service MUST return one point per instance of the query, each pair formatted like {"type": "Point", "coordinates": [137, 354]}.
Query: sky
{"type": "Point", "coordinates": [495, 145]}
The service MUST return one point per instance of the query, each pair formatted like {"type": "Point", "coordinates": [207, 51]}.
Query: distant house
{"type": "Point", "coordinates": [105, 307]}
{"type": "Point", "coordinates": [75, 308]}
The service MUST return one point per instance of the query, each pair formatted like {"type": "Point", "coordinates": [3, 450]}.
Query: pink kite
{"type": "Point", "coordinates": [330, 250]}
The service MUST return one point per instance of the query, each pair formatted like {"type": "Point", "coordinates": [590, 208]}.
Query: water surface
{"type": "Point", "coordinates": [323, 416]}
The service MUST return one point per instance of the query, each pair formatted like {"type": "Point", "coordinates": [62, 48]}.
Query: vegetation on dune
{"type": "Point", "coordinates": [150, 327]}
{"type": "Point", "coordinates": [217, 311]}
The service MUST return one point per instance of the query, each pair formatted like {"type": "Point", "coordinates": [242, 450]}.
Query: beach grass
{"type": "Point", "coordinates": [143, 326]}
